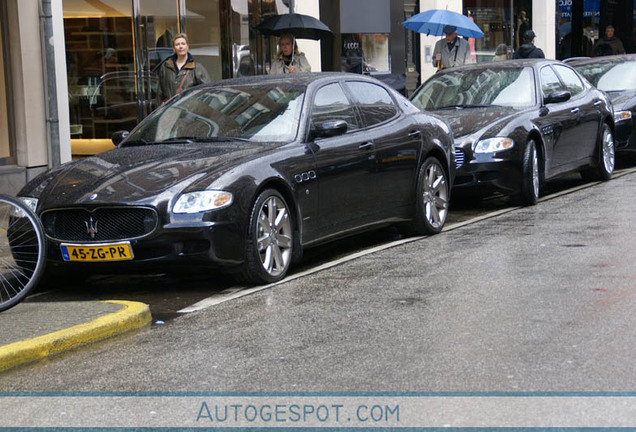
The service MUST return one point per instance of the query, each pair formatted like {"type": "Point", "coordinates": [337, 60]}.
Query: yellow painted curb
{"type": "Point", "coordinates": [133, 315]}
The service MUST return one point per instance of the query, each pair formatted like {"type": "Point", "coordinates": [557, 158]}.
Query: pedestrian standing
{"type": "Point", "coordinates": [289, 59]}
{"type": "Point", "coordinates": [451, 51]}
{"type": "Point", "coordinates": [179, 71]}
{"type": "Point", "coordinates": [527, 49]}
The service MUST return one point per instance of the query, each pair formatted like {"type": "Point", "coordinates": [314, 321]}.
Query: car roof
{"type": "Point", "coordinates": [620, 58]}
{"type": "Point", "coordinates": [503, 64]}
{"type": "Point", "coordinates": [298, 79]}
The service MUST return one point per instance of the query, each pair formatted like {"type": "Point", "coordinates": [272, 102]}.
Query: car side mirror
{"type": "Point", "coordinates": [119, 136]}
{"type": "Point", "coordinates": [557, 97]}
{"type": "Point", "coordinates": [329, 128]}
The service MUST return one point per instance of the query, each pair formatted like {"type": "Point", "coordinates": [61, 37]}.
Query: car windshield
{"type": "Point", "coordinates": [610, 76]}
{"type": "Point", "coordinates": [261, 113]}
{"type": "Point", "coordinates": [511, 87]}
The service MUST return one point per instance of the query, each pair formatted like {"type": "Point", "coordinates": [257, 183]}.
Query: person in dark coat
{"type": "Point", "coordinates": [179, 71]}
{"type": "Point", "coordinates": [527, 49]}
{"type": "Point", "coordinates": [609, 44]}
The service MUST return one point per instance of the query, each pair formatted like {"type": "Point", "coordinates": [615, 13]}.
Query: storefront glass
{"type": "Point", "coordinates": [591, 17]}
{"type": "Point", "coordinates": [6, 152]}
{"type": "Point", "coordinates": [100, 67]}
{"type": "Point", "coordinates": [115, 47]}
{"type": "Point", "coordinates": [366, 53]}
{"type": "Point", "coordinates": [502, 21]}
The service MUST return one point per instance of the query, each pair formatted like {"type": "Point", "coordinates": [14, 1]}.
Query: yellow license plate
{"type": "Point", "coordinates": [120, 251]}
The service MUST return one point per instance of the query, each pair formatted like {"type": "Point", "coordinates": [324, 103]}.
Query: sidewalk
{"type": "Point", "coordinates": [31, 331]}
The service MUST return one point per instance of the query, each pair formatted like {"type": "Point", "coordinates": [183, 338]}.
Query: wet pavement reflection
{"type": "Point", "coordinates": [166, 294]}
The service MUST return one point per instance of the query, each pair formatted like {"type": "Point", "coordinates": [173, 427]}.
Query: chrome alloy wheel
{"type": "Point", "coordinates": [609, 156]}
{"type": "Point", "coordinates": [535, 172]}
{"type": "Point", "coordinates": [435, 195]}
{"type": "Point", "coordinates": [274, 236]}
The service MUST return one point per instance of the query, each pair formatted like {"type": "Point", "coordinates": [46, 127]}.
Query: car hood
{"type": "Point", "coordinates": [140, 174]}
{"type": "Point", "coordinates": [623, 99]}
{"type": "Point", "coordinates": [468, 121]}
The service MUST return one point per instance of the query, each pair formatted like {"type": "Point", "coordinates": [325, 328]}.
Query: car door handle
{"type": "Point", "coordinates": [574, 110]}
{"type": "Point", "coordinates": [366, 146]}
{"type": "Point", "coordinates": [415, 133]}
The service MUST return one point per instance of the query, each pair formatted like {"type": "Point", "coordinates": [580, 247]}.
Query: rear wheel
{"type": "Point", "coordinates": [270, 240]}
{"type": "Point", "coordinates": [606, 153]}
{"type": "Point", "coordinates": [433, 198]}
{"type": "Point", "coordinates": [531, 181]}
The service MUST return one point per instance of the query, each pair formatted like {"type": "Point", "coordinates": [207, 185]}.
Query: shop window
{"type": "Point", "coordinates": [366, 53]}
{"type": "Point", "coordinates": [500, 25]}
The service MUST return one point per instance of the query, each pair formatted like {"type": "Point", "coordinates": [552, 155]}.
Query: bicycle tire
{"type": "Point", "coordinates": [22, 251]}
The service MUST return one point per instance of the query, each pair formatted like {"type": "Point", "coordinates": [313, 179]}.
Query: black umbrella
{"type": "Point", "coordinates": [300, 26]}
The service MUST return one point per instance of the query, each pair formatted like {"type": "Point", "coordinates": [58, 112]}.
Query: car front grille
{"type": "Point", "coordinates": [459, 157]}
{"type": "Point", "coordinates": [99, 224]}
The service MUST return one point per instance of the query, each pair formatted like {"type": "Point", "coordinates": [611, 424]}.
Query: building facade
{"type": "Point", "coordinates": [75, 71]}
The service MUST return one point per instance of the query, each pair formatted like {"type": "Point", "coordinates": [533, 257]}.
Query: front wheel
{"type": "Point", "coordinates": [270, 240]}
{"type": "Point", "coordinates": [531, 178]}
{"type": "Point", "coordinates": [433, 198]}
{"type": "Point", "coordinates": [22, 251]}
{"type": "Point", "coordinates": [606, 153]}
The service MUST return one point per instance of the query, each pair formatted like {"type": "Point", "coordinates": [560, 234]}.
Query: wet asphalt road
{"type": "Point", "coordinates": [535, 299]}
{"type": "Point", "coordinates": [166, 294]}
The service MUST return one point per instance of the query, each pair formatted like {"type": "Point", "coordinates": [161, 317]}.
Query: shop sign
{"type": "Point", "coordinates": [591, 8]}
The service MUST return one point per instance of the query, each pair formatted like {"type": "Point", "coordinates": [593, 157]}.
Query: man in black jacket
{"type": "Point", "coordinates": [528, 50]}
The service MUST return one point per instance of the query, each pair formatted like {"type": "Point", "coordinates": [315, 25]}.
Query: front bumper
{"type": "Point", "coordinates": [625, 135]}
{"type": "Point", "coordinates": [194, 244]}
{"type": "Point", "coordinates": [487, 173]}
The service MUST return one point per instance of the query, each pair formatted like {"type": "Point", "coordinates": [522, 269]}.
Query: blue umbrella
{"type": "Point", "coordinates": [432, 22]}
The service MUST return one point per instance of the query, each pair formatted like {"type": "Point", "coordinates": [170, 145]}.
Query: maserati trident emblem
{"type": "Point", "coordinates": [91, 226]}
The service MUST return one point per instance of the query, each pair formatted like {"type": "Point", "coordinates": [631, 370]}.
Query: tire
{"type": "Point", "coordinates": [433, 198]}
{"type": "Point", "coordinates": [22, 251]}
{"type": "Point", "coordinates": [606, 152]}
{"type": "Point", "coordinates": [531, 175]}
{"type": "Point", "coordinates": [270, 240]}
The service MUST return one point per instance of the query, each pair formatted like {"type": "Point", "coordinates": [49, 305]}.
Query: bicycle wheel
{"type": "Point", "coordinates": [22, 251]}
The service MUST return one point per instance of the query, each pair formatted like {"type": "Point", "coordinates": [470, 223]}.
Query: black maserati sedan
{"type": "Point", "coordinates": [518, 123]}
{"type": "Point", "coordinates": [242, 174]}
{"type": "Point", "coordinates": [616, 75]}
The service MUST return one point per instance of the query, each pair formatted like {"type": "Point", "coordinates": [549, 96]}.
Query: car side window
{"type": "Point", "coordinates": [571, 80]}
{"type": "Point", "coordinates": [330, 103]}
{"type": "Point", "coordinates": [376, 104]}
{"type": "Point", "coordinates": [549, 81]}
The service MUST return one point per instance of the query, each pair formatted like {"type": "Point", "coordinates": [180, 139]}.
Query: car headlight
{"type": "Point", "coordinates": [622, 115]}
{"type": "Point", "coordinates": [31, 203]}
{"type": "Point", "coordinates": [195, 202]}
{"type": "Point", "coordinates": [492, 145]}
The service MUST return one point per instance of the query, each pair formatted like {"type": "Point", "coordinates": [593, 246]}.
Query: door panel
{"type": "Point", "coordinates": [345, 164]}
{"type": "Point", "coordinates": [397, 143]}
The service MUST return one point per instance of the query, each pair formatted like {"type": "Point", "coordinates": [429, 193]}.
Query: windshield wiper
{"type": "Point", "coordinates": [134, 143]}
{"type": "Point", "coordinates": [184, 139]}
{"type": "Point", "coordinates": [461, 106]}
{"type": "Point", "coordinates": [192, 139]}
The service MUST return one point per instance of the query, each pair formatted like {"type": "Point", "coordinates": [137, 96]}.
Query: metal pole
{"type": "Point", "coordinates": [52, 115]}
{"type": "Point", "coordinates": [291, 6]}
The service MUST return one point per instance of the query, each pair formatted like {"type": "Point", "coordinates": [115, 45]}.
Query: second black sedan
{"type": "Point", "coordinates": [243, 174]}
{"type": "Point", "coordinates": [518, 123]}
{"type": "Point", "coordinates": [616, 75]}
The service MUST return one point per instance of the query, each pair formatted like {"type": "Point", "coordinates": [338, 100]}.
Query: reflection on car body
{"type": "Point", "coordinates": [616, 75]}
{"type": "Point", "coordinates": [243, 174]}
{"type": "Point", "coordinates": [518, 123]}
